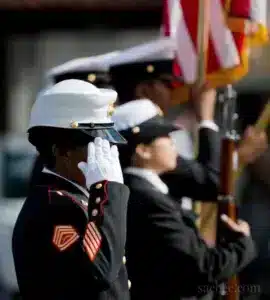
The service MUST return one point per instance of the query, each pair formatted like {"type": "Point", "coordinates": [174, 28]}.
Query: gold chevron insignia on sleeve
{"type": "Point", "coordinates": [64, 236]}
{"type": "Point", "coordinates": [92, 240]}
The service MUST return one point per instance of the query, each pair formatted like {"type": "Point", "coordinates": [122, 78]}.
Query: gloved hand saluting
{"type": "Point", "coordinates": [102, 163]}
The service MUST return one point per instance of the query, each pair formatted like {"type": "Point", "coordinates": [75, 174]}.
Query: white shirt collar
{"type": "Point", "coordinates": [150, 176]}
{"type": "Point", "coordinates": [82, 189]}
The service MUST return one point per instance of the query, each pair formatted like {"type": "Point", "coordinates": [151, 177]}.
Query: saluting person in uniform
{"type": "Point", "coordinates": [93, 69]}
{"type": "Point", "coordinates": [166, 257]}
{"type": "Point", "coordinates": [69, 238]}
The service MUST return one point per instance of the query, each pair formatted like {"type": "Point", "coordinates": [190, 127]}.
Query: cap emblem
{"type": "Point", "coordinates": [111, 109]}
{"type": "Point", "coordinates": [74, 125]}
{"type": "Point", "coordinates": [159, 111]}
{"type": "Point", "coordinates": [150, 69]}
{"type": "Point", "coordinates": [92, 77]}
{"type": "Point", "coordinates": [136, 129]}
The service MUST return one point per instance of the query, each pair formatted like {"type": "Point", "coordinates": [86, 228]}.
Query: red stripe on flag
{"type": "Point", "coordinates": [239, 39]}
{"type": "Point", "coordinates": [240, 8]}
{"type": "Point", "coordinates": [213, 63]}
{"type": "Point", "coordinates": [190, 15]}
{"type": "Point", "coordinates": [166, 19]}
{"type": "Point", "coordinates": [218, 58]}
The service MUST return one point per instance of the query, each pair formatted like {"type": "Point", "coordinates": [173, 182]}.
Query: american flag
{"type": "Point", "coordinates": [234, 26]}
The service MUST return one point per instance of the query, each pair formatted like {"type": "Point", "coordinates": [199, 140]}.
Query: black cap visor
{"type": "Point", "coordinates": [109, 134]}
{"type": "Point", "coordinates": [150, 130]}
{"type": "Point", "coordinates": [73, 136]}
{"type": "Point", "coordinates": [158, 127]}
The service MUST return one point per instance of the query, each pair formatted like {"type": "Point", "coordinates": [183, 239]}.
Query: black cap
{"type": "Point", "coordinates": [98, 78]}
{"type": "Point", "coordinates": [93, 69]}
{"type": "Point", "coordinates": [149, 61]}
{"type": "Point", "coordinates": [141, 71]}
{"type": "Point", "coordinates": [149, 130]}
{"type": "Point", "coordinates": [141, 121]}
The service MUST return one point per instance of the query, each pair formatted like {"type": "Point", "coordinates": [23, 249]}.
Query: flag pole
{"type": "Point", "coordinates": [202, 39]}
{"type": "Point", "coordinates": [210, 215]}
{"type": "Point", "coordinates": [202, 51]}
{"type": "Point", "coordinates": [261, 124]}
{"type": "Point", "coordinates": [264, 118]}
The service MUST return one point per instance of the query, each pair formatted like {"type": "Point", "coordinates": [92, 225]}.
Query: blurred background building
{"type": "Point", "coordinates": [38, 35]}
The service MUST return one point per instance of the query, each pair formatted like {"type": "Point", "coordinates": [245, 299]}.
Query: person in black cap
{"type": "Point", "coordinates": [69, 238]}
{"type": "Point", "coordinates": [93, 69]}
{"type": "Point", "coordinates": [147, 72]}
{"type": "Point", "coordinates": [166, 257]}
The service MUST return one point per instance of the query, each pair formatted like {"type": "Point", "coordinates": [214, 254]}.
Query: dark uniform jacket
{"type": "Point", "coordinates": [36, 171]}
{"type": "Point", "coordinates": [166, 258]}
{"type": "Point", "coordinates": [199, 178]}
{"type": "Point", "coordinates": [254, 194]}
{"type": "Point", "coordinates": [64, 249]}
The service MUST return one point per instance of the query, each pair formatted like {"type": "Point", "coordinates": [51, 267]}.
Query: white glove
{"type": "Point", "coordinates": [102, 163]}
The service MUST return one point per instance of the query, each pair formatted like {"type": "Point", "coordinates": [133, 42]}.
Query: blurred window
{"type": "Point", "coordinates": [17, 158]}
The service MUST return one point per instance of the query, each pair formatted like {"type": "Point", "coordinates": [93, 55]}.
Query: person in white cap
{"type": "Point", "coordinates": [166, 257]}
{"type": "Point", "coordinates": [147, 72]}
{"type": "Point", "coordinates": [93, 69]}
{"type": "Point", "coordinates": [69, 238]}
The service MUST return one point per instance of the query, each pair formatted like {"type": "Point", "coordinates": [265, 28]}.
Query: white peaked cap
{"type": "Point", "coordinates": [134, 113]}
{"type": "Point", "coordinates": [87, 64]}
{"type": "Point", "coordinates": [159, 49]}
{"type": "Point", "coordinates": [70, 102]}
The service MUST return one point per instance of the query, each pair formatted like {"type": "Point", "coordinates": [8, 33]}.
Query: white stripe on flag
{"type": "Point", "coordinates": [222, 37]}
{"type": "Point", "coordinates": [186, 52]}
{"type": "Point", "coordinates": [174, 15]}
{"type": "Point", "coordinates": [258, 11]}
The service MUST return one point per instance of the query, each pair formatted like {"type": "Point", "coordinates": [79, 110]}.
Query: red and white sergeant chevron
{"type": "Point", "coordinates": [64, 237]}
{"type": "Point", "coordinates": [92, 240]}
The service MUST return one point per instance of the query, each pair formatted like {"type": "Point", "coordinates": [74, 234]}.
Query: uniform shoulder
{"type": "Point", "coordinates": [55, 196]}
{"type": "Point", "coordinates": [150, 197]}
{"type": "Point", "coordinates": [47, 190]}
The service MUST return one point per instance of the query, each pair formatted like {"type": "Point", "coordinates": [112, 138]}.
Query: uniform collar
{"type": "Point", "coordinates": [79, 187]}
{"type": "Point", "coordinates": [150, 176]}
